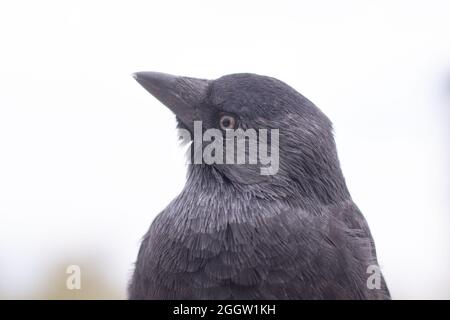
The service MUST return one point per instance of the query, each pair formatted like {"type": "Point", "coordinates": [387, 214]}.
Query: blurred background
{"type": "Point", "coordinates": [88, 158]}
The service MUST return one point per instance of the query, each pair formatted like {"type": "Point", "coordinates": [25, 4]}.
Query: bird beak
{"type": "Point", "coordinates": [181, 95]}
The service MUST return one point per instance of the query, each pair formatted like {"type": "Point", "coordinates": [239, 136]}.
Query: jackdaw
{"type": "Point", "coordinates": [235, 233]}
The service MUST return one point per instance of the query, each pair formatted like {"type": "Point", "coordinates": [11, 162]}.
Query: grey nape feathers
{"type": "Point", "coordinates": [233, 233]}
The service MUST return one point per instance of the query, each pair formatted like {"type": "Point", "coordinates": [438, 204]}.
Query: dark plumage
{"type": "Point", "coordinates": [235, 234]}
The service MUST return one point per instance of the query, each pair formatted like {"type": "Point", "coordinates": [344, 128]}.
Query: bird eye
{"type": "Point", "coordinates": [227, 122]}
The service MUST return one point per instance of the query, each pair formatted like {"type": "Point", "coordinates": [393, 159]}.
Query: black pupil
{"type": "Point", "coordinates": [226, 122]}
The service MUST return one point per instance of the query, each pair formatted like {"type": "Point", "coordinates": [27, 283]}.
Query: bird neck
{"type": "Point", "coordinates": [207, 181]}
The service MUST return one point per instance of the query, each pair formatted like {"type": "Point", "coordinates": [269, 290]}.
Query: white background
{"type": "Point", "coordinates": [88, 158]}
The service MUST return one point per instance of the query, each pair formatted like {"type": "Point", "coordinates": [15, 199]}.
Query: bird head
{"type": "Point", "coordinates": [307, 161]}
